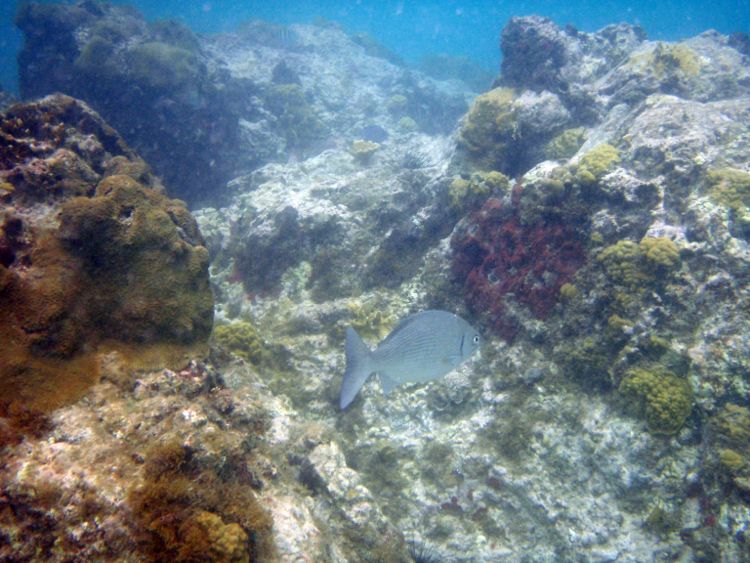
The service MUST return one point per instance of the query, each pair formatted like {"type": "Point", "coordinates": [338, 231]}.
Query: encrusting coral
{"type": "Point", "coordinates": [89, 253]}
{"type": "Point", "coordinates": [665, 398]}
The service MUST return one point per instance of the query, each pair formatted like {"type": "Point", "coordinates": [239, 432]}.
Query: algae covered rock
{"type": "Point", "coordinates": [129, 232]}
{"type": "Point", "coordinates": [505, 129]}
{"type": "Point", "coordinates": [732, 430]}
{"type": "Point", "coordinates": [89, 253]}
{"type": "Point", "coordinates": [241, 339]}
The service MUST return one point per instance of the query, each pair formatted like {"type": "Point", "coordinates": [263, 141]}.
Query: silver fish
{"type": "Point", "coordinates": [422, 347]}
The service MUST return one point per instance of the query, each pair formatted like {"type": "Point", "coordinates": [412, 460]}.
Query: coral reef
{"type": "Point", "coordinates": [606, 416]}
{"type": "Point", "coordinates": [89, 253]}
{"type": "Point", "coordinates": [187, 122]}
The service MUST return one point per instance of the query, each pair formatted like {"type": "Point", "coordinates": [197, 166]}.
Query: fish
{"type": "Point", "coordinates": [422, 347]}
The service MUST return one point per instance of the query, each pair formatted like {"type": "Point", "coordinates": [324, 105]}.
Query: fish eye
{"type": "Point", "coordinates": [476, 339]}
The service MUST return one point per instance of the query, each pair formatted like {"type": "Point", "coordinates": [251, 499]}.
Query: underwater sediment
{"type": "Point", "coordinates": [588, 212]}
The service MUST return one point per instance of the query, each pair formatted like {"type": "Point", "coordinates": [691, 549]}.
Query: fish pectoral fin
{"type": "Point", "coordinates": [387, 384]}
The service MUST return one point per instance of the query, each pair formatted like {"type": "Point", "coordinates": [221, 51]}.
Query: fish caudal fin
{"type": "Point", "coordinates": [358, 367]}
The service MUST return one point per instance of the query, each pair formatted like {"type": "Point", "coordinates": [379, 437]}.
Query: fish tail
{"type": "Point", "coordinates": [358, 367]}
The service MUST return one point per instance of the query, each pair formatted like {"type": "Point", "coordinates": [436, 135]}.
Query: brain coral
{"type": "Point", "coordinates": [498, 259]}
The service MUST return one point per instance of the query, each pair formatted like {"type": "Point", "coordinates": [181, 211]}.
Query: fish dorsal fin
{"type": "Point", "coordinates": [387, 384]}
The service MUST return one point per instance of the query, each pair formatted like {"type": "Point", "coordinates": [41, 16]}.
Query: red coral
{"type": "Point", "coordinates": [496, 255]}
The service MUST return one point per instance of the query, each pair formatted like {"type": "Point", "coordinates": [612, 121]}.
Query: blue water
{"type": "Point", "coordinates": [413, 29]}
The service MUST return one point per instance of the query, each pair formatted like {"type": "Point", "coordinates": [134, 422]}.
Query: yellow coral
{"type": "Point", "coordinates": [225, 543]}
{"type": "Point", "coordinates": [466, 194]}
{"type": "Point", "coordinates": [671, 58]}
{"type": "Point", "coordinates": [620, 261]}
{"type": "Point", "coordinates": [568, 291]}
{"type": "Point", "coordinates": [566, 144]}
{"type": "Point", "coordinates": [731, 187]}
{"type": "Point", "coordinates": [633, 265]}
{"type": "Point", "coordinates": [371, 320]}
{"type": "Point", "coordinates": [665, 398]}
{"type": "Point", "coordinates": [362, 150]}
{"type": "Point", "coordinates": [660, 253]}
{"type": "Point", "coordinates": [732, 428]}
{"type": "Point", "coordinates": [596, 163]}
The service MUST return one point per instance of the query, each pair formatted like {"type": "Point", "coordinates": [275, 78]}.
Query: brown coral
{"type": "Point", "coordinates": [90, 250]}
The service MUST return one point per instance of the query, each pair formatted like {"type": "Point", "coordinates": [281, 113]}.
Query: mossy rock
{"type": "Point", "coordinates": [566, 144]}
{"type": "Point", "coordinates": [665, 399]}
{"type": "Point", "coordinates": [148, 255]}
{"type": "Point", "coordinates": [472, 193]}
{"type": "Point", "coordinates": [241, 339]}
{"type": "Point", "coordinates": [159, 66]}
{"type": "Point", "coordinates": [730, 187]}
{"type": "Point", "coordinates": [489, 127]}
{"type": "Point", "coordinates": [97, 58]}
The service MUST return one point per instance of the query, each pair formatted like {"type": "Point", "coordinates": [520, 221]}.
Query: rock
{"type": "Point", "coordinates": [212, 108]}
{"type": "Point", "coordinates": [92, 251]}
{"type": "Point", "coordinates": [538, 55]}
{"type": "Point", "coordinates": [186, 124]}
